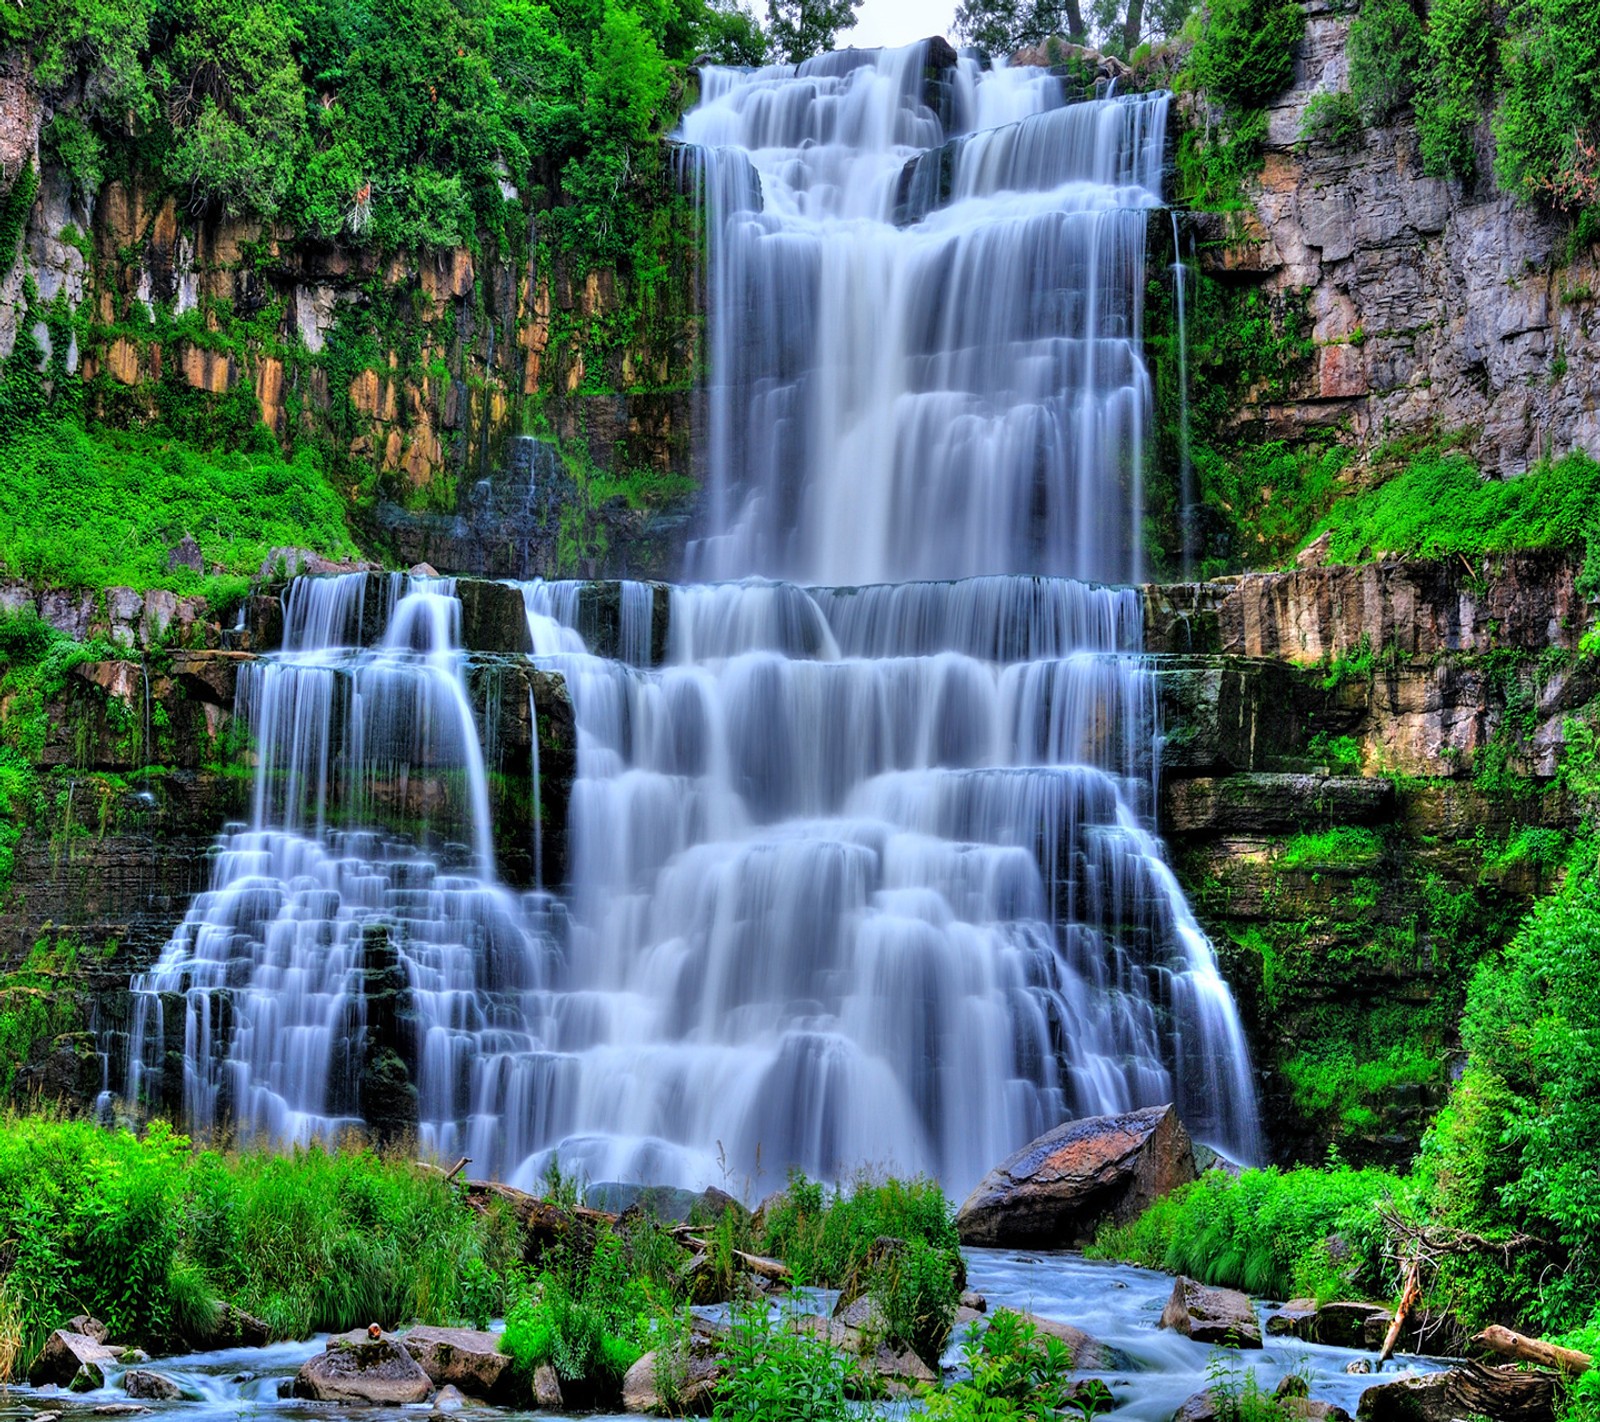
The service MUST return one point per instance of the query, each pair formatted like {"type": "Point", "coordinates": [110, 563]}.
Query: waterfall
{"type": "Point", "coordinates": [863, 864]}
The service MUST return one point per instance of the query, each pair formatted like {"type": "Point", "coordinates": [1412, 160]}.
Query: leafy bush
{"type": "Point", "coordinates": [1332, 117]}
{"type": "Point", "coordinates": [1244, 57]}
{"type": "Point", "coordinates": [1343, 847]}
{"type": "Point", "coordinates": [1440, 506]}
{"type": "Point", "coordinates": [837, 1240]}
{"type": "Point", "coordinates": [1267, 1231]}
{"type": "Point", "coordinates": [88, 510]}
{"type": "Point", "coordinates": [1385, 55]}
{"type": "Point", "coordinates": [1458, 81]}
{"type": "Point", "coordinates": [776, 1373]}
{"type": "Point", "coordinates": [1014, 1371]}
{"type": "Point", "coordinates": [1547, 123]}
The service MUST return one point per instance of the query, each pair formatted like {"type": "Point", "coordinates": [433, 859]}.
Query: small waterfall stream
{"type": "Point", "coordinates": [865, 871]}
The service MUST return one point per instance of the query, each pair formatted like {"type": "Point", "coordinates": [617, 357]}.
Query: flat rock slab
{"type": "Point", "coordinates": [1211, 1315]}
{"type": "Point", "coordinates": [65, 1355]}
{"type": "Point", "coordinates": [355, 1368]}
{"type": "Point", "coordinates": [1056, 1191]}
{"type": "Point", "coordinates": [465, 1358]}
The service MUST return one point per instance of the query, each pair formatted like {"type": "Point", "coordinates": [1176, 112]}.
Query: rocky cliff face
{"type": "Point", "coordinates": [1438, 308]}
{"type": "Point", "coordinates": [1364, 788]}
{"type": "Point", "coordinates": [411, 370]}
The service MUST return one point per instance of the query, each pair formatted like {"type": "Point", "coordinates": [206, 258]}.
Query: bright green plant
{"type": "Point", "coordinates": [1385, 55]}
{"type": "Point", "coordinates": [1332, 117]}
{"type": "Point", "coordinates": [1244, 57]}
{"type": "Point", "coordinates": [1014, 1372]}
{"type": "Point", "coordinates": [1454, 94]}
{"type": "Point", "coordinates": [778, 1373]}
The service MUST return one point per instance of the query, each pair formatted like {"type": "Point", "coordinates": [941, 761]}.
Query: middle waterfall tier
{"type": "Point", "coordinates": [857, 876]}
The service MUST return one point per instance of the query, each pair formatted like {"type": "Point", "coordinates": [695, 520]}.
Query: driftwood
{"type": "Point", "coordinates": [449, 1174]}
{"type": "Point", "coordinates": [1408, 1301]}
{"type": "Point", "coordinates": [1508, 1394]}
{"type": "Point", "coordinates": [1509, 1344]}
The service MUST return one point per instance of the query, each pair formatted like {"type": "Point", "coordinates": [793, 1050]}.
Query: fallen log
{"type": "Point", "coordinates": [1506, 1393]}
{"type": "Point", "coordinates": [1510, 1344]}
{"type": "Point", "coordinates": [1408, 1300]}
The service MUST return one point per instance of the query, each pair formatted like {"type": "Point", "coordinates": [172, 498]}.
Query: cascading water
{"type": "Point", "coordinates": [864, 872]}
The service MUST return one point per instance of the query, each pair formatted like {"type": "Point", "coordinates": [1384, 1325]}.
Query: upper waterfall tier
{"type": "Point", "coordinates": [958, 395]}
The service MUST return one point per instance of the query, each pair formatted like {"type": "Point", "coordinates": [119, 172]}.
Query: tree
{"type": "Point", "coordinates": [1004, 26]}
{"type": "Point", "coordinates": [798, 29]}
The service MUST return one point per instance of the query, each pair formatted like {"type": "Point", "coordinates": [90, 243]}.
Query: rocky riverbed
{"type": "Point", "coordinates": [1151, 1371]}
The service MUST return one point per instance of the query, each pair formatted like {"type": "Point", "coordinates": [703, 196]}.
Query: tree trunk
{"type": "Point", "coordinates": [1133, 27]}
{"type": "Point", "coordinates": [1533, 1350]}
{"type": "Point", "coordinates": [1075, 26]}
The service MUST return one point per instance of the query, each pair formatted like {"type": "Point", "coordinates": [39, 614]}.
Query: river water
{"type": "Point", "coordinates": [1118, 1305]}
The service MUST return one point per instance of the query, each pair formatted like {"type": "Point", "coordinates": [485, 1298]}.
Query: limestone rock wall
{"type": "Point", "coordinates": [1439, 307]}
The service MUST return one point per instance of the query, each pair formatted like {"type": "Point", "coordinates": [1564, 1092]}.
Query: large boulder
{"type": "Point", "coordinates": [680, 1383]}
{"type": "Point", "coordinates": [462, 1357]}
{"type": "Point", "coordinates": [356, 1368]}
{"type": "Point", "coordinates": [1089, 1354]}
{"type": "Point", "coordinates": [149, 1386]}
{"type": "Point", "coordinates": [1350, 1325]}
{"type": "Point", "coordinates": [1056, 1191]}
{"type": "Point", "coordinates": [73, 1360]}
{"type": "Point", "coordinates": [1211, 1315]}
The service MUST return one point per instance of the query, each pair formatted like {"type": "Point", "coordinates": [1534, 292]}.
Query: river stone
{"type": "Point", "coordinates": [238, 1329]}
{"type": "Point", "coordinates": [150, 1387]}
{"type": "Point", "coordinates": [377, 1370]}
{"type": "Point", "coordinates": [1211, 1315]}
{"type": "Point", "coordinates": [1057, 1190]}
{"type": "Point", "coordinates": [899, 1369]}
{"type": "Point", "coordinates": [71, 1359]}
{"type": "Point", "coordinates": [1089, 1354]}
{"type": "Point", "coordinates": [692, 1381]}
{"type": "Point", "coordinates": [464, 1357]}
{"type": "Point", "coordinates": [448, 1399]}
{"type": "Point", "coordinates": [546, 1387]}
{"type": "Point", "coordinates": [1350, 1325]}
{"type": "Point", "coordinates": [89, 1326]}
{"type": "Point", "coordinates": [1295, 1319]}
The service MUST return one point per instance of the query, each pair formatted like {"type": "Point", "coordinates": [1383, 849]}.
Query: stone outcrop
{"type": "Point", "coordinates": [72, 1360]}
{"type": "Point", "coordinates": [1056, 1190]}
{"type": "Point", "coordinates": [464, 1358]}
{"type": "Point", "coordinates": [1436, 306]}
{"type": "Point", "coordinates": [1207, 1315]}
{"type": "Point", "coordinates": [356, 1368]}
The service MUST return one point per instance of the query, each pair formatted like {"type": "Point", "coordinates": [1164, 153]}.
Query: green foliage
{"type": "Point", "coordinates": [586, 1317]}
{"type": "Point", "coordinates": [1341, 754]}
{"type": "Point", "coordinates": [148, 1235]}
{"type": "Point", "coordinates": [1014, 1372]}
{"type": "Point", "coordinates": [1237, 1394]}
{"type": "Point", "coordinates": [798, 29]}
{"type": "Point", "coordinates": [1345, 847]}
{"type": "Point", "coordinates": [1547, 122]}
{"type": "Point", "coordinates": [1532, 1032]}
{"type": "Point", "coordinates": [1385, 55]}
{"type": "Point", "coordinates": [1440, 506]}
{"type": "Point", "coordinates": [90, 510]}
{"type": "Point", "coordinates": [1454, 94]}
{"type": "Point", "coordinates": [1332, 117]}
{"type": "Point", "coordinates": [1266, 1231]}
{"type": "Point", "coordinates": [776, 1373]}
{"type": "Point", "coordinates": [835, 1240]}
{"type": "Point", "coordinates": [1244, 57]}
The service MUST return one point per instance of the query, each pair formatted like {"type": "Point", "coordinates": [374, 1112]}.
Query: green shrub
{"type": "Point", "coordinates": [1014, 1371]}
{"type": "Point", "coordinates": [1244, 57]}
{"type": "Point", "coordinates": [1344, 847]}
{"type": "Point", "coordinates": [1458, 80]}
{"type": "Point", "coordinates": [1385, 55]}
{"type": "Point", "coordinates": [1440, 506]}
{"type": "Point", "coordinates": [1332, 117]}
{"type": "Point", "coordinates": [1547, 122]}
{"type": "Point", "coordinates": [1267, 1232]}
{"type": "Point", "coordinates": [777, 1374]}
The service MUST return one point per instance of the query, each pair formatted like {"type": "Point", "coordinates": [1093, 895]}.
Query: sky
{"type": "Point", "coordinates": [894, 22]}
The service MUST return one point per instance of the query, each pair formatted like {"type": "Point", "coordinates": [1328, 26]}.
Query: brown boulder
{"type": "Point", "coordinates": [1057, 1190]}
{"type": "Point", "coordinates": [150, 1387]}
{"type": "Point", "coordinates": [681, 1383]}
{"type": "Point", "coordinates": [1211, 1315]}
{"type": "Point", "coordinates": [1089, 1354]}
{"type": "Point", "coordinates": [546, 1387]}
{"type": "Point", "coordinates": [464, 1357]}
{"type": "Point", "coordinates": [1350, 1325]}
{"type": "Point", "coordinates": [71, 1359]}
{"type": "Point", "coordinates": [355, 1368]}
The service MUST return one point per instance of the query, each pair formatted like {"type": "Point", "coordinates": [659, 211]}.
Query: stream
{"type": "Point", "coordinates": [1121, 1306]}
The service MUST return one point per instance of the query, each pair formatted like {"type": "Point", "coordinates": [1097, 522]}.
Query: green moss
{"type": "Point", "coordinates": [1345, 848]}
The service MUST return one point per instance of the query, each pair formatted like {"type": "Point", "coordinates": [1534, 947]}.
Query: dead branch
{"type": "Point", "coordinates": [1510, 1344]}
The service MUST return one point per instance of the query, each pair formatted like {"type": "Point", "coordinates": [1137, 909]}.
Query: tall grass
{"type": "Point", "coordinates": [150, 1235]}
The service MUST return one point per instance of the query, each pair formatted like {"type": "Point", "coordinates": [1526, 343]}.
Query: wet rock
{"type": "Point", "coordinates": [73, 1360]}
{"type": "Point", "coordinates": [1295, 1319]}
{"type": "Point", "coordinates": [186, 554]}
{"type": "Point", "coordinates": [679, 1383]}
{"type": "Point", "coordinates": [152, 1387]}
{"type": "Point", "coordinates": [1089, 1354]}
{"type": "Point", "coordinates": [89, 1326]}
{"type": "Point", "coordinates": [132, 1357]}
{"type": "Point", "coordinates": [448, 1399]}
{"type": "Point", "coordinates": [494, 618]}
{"type": "Point", "coordinates": [1057, 1190]}
{"type": "Point", "coordinates": [1350, 1325]}
{"type": "Point", "coordinates": [1202, 1406]}
{"type": "Point", "coordinates": [976, 1302]}
{"type": "Point", "coordinates": [1507, 1393]}
{"type": "Point", "coordinates": [355, 1368]}
{"type": "Point", "coordinates": [238, 1329]}
{"type": "Point", "coordinates": [461, 1357]}
{"type": "Point", "coordinates": [899, 1369]}
{"type": "Point", "coordinates": [1211, 1315]}
{"type": "Point", "coordinates": [546, 1387]}
{"type": "Point", "coordinates": [118, 1409]}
